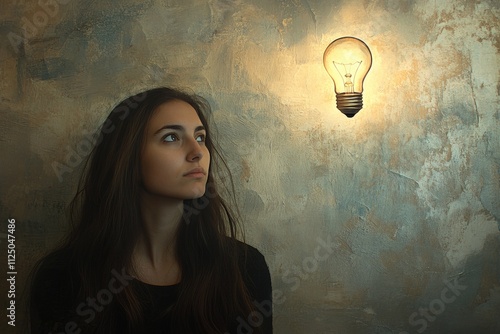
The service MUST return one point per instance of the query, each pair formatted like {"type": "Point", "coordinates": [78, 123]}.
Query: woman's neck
{"type": "Point", "coordinates": [155, 258]}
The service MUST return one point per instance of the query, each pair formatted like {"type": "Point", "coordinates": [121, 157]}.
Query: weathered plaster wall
{"type": "Point", "coordinates": [406, 194]}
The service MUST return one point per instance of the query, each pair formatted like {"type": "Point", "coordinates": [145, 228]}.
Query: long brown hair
{"type": "Point", "coordinates": [106, 220]}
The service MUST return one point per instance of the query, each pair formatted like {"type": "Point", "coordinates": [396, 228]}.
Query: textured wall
{"type": "Point", "coordinates": [384, 223]}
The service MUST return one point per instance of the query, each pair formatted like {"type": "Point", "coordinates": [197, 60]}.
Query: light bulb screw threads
{"type": "Point", "coordinates": [349, 103]}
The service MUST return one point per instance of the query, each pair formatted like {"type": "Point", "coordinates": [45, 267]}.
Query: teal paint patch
{"type": "Point", "coordinates": [51, 68]}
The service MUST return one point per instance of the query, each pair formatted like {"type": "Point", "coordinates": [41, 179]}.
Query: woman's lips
{"type": "Point", "coordinates": [196, 173]}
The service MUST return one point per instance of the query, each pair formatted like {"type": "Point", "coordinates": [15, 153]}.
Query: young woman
{"type": "Point", "coordinates": [153, 247]}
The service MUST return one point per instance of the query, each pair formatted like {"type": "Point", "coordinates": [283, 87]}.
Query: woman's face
{"type": "Point", "coordinates": [175, 160]}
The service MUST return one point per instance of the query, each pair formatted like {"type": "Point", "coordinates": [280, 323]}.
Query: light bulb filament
{"type": "Point", "coordinates": [346, 71]}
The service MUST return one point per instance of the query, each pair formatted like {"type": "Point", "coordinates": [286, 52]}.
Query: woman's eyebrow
{"type": "Point", "coordinates": [178, 127]}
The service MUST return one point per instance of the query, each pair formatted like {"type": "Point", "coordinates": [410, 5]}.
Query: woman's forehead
{"type": "Point", "coordinates": [175, 112]}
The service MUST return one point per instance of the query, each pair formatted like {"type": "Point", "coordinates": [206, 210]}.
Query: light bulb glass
{"type": "Point", "coordinates": [347, 60]}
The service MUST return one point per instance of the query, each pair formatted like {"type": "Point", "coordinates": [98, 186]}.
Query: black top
{"type": "Point", "coordinates": [157, 299]}
{"type": "Point", "coordinates": [257, 280]}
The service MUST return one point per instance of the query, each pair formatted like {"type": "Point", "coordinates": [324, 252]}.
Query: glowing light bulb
{"type": "Point", "coordinates": [347, 60]}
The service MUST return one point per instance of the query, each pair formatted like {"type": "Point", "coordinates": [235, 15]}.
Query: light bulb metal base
{"type": "Point", "coordinates": [349, 103]}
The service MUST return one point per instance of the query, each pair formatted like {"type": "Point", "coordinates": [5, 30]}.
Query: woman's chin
{"type": "Point", "coordinates": [195, 193]}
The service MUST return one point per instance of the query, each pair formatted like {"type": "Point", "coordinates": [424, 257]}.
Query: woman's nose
{"type": "Point", "coordinates": [195, 152]}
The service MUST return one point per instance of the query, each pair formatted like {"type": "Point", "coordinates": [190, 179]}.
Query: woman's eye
{"type": "Point", "coordinates": [200, 138]}
{"type": "Point", "coordinates": [170, 138]}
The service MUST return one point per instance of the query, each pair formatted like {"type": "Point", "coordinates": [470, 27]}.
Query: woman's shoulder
{"type": "Point", "coordinates": [255, 271]}
{"type": "Point", "coordinates": [251, 256]}
{"type": "Point", "coordinates": [52, 292]}
{"type": "Point", "coordinates": [258, 281]}
{"type": "Point", "coordinates": [55, 264]}
{"type": "Point", "coordinates": [51, 277]}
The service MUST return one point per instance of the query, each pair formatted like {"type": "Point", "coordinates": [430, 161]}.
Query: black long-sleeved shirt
{"type": "Point", "coordinates": [51, 311]}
